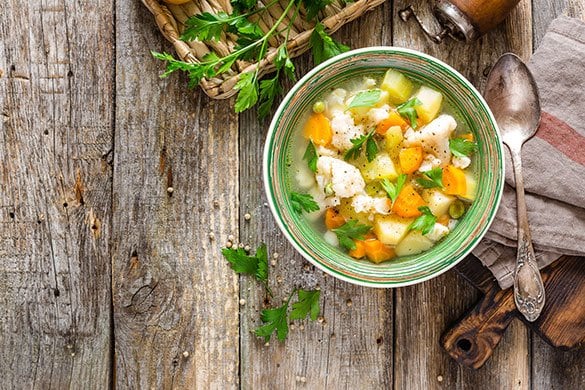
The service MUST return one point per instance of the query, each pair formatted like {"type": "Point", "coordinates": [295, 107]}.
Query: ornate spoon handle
{"type": "Point", "coordinates": [528, 287]}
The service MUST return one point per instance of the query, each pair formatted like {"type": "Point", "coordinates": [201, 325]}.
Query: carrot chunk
{"type": "Point", "coordinates": [378, 252]}
{"type": "Point", "coordinates": [454, 181]}
{"type": "Point", "coordinates": [443, 219]}
{"type": "Point", "coordinates": [393, 120]}
{"type": "Point", "coordinates": [410, 158]}
{"type": "Point", "coordinates": [359, 251]}
{"type": "Point", "coordinates": [318, 129]}
{"type": "Point", "coordinates": [468, 136]}
{"type": "Point", "coordinates": [408, 202]}
{"type": "Point", "coordinates": [333, 219]}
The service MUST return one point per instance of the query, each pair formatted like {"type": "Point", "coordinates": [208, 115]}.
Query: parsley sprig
{"type": "Point", "coordinates": [408, 111]}
{"type": "Point", "coordinates": [371, 147]}
{"type": "Point", "coordinates": [351, 230]}
{"type": "Point", "coordinates": [276, 318]}
{"type": "Point", "coordinates": [303, 202]}
{"type": "Point", "coordinates": [392, 190]}
{"type": "Point", "coordinates": [256, 265]}
{"type": "Point", "coordinates": [460, 147]}
{"type": "Point", "coordinates": [432, 178]}
{"type": "Point", "coordinates": [425, 222]}
{"type": "Point", "coordinates": [252, 44]}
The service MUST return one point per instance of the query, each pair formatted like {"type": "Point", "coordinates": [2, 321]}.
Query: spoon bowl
{"type": "Point", "coordinates": [512, 95]}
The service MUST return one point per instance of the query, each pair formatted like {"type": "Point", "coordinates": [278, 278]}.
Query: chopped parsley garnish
{"type": "Point", "coordinates": [311, 156]}
{"type": "Point", "coordinates": [392, 190]}
{"type": "Point", "coordinates": [460, 147]}
{"type": "Point", "coordinates": [432, 178]}
{"type": "Point", "coordinates": [425, 222]}
{"type": "Point", "coordinates": [408, 111]}
{"type": "Point", "coordinates": [371, 147]}
{"type": "Point", "coordinates": [351, 230]}
{"type": "Point", "coordinates": [303, 202]}
{"type": "Point", "coordinates": [365, 98]}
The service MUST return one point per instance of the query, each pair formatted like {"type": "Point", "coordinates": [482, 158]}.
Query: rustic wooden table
{"type": "Point", "coordinates": [108, 278]}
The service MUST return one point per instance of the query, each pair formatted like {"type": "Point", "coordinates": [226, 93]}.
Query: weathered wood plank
{"type": "Point", "coordinates": [56, 105]}
{"type": "Point", "coordinates": [553, 368]}
{"type": "Point", "coordinates": [352, 347]}
{"type": "Point", "coordinates": [175, 181]}
{"type": "Point", "coordinates": [424, 311]}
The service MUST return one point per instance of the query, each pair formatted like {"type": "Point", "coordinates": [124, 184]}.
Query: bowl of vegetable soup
{"type": "Point", "coordinates": [383, 167]}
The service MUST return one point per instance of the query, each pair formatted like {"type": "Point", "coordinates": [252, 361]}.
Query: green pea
{"type": "Point", "coordinates": [318, 107]}
{"type": "Point", "coordinates": [456, 209]}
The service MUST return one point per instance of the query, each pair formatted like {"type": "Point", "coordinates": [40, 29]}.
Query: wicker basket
{"type": "Point", "coordinates": [171, 18]}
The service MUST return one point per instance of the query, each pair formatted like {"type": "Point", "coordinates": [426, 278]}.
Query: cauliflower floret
{"type": "Point", "coordinates": [346, 180]}
{"type": "Point", "coordinates": [377, 115]}
{"type": "Point", "coordinates": [428, 163]}
{"type": "Point", "coordinates": [439, 231]}
{"type": "Point", "coordinates": [322, 200]}
{"type": "Point", "coordinates": [367, 204]}
{"type": "Point", "coordinates": [335, 101]}
{"type": "Point", "coordinates": [324, 151]}
{"type": "Point", "coordinates": [344, 130]}
{"type": "Point", "coordinates": [460, 162]}
{"type": "Point", "coordinates": [434, 137]}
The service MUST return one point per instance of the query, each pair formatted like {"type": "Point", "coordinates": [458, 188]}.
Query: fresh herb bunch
{"type": "Point", "coordinates": [277, 318]}
{"type": "Point", "coordinates": [252, 44]}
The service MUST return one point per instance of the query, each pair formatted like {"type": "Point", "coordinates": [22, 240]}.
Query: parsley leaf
{"type": "Point", "coordinates": [351, 230]}
{"type": "Point", "coordinates": [323, 46]}
{"type": "Point", "coordinates": [425, 222]}
{"type": "Point", "coordinates": [308, 303]}
{"type": "Point", "coordinates": [276, 320]}
{"type": "Point", "coordinates": [269, 90]}
{"type": "Point", "coordinates": [371, 149]}
{"type": "Point", "coordinates": [242, 263]}
{"type": "Point", "coordinates": [408, 111]}
{"type": "Point", "coordinates": [365, 98]}
{"type": "Point", "coordinates": [432, 178]}
{"type": "Point", "coordinates": [355, 150]}
{"type": "Point", "coordinates": [248, 95]}
{"type": "Point", "coordinates": [311, 156]}
{"type": "Point", "coordinates": [243, 4]}
{"type": "Point", "coordinates": [313, 7]}
{"type": "Point", "coordinates": [303, 202]}
{"type": "Point", "coordinates": [392, 190]}
{"type": "Point", "coordinates": [282, 61]}
{"type": "Point", "coordinates": [207, 26]}
{"type": "Point", "coordinates": [461, 147]}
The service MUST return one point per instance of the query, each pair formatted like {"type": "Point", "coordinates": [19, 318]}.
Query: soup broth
{"type": "Point", "coordinates": [382, 167]}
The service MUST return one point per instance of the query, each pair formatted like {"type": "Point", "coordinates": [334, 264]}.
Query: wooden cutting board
{"type": "Point", "coordinates": [472, 339]}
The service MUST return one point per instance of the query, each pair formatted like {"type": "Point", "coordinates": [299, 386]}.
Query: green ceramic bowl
{"type": "Point", "coordinates": [471, 111]}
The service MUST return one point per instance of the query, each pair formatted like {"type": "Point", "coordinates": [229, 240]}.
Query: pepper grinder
{"type": "Point", "coordinates": [463, 20]}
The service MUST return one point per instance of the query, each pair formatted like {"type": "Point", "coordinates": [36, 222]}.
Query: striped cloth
{"type": "Point", "coordinates": [553, 161]}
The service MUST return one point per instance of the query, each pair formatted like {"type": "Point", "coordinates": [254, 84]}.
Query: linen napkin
{"type": "Point", "coordinates": [553, 160]}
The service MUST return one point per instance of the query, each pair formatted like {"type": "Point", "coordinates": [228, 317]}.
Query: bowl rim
{"type": "Point", "coordinates": [272, 129]}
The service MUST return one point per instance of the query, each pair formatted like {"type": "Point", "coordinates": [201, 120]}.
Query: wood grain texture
{"type": "Point", "coordinates": [56, 107]}
{"type": "Point", "coordinates": [352, 347]}
{"type": "Point", "coordinates": [440, 301]}
{"type": "Point", "coordinates": [175, 181]}
{"type": "Point", "coordinates": [544, 11]}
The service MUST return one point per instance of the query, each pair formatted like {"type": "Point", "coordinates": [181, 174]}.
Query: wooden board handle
{"type": "Point", "coordinates": [472, 340]}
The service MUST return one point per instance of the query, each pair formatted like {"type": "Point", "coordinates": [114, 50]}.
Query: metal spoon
{"type": "Point", "coordinates": [512, 96]}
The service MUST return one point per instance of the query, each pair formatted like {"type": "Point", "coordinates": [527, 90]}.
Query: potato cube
{"type": "Point", "coordinates": [393, 138]}
{"type": "Point", "coordinates": [380, 168]}
{"type": "Point", "coordinates": [437, 201]}
{"type": "Point", "coordinates": [391, 229]}
{"type": "Point", "coordinates": [398, 86]}
{"type": "Point", "coordinates": [413, 243]}
{"type": "Point", "coordinates": [430, 104]}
